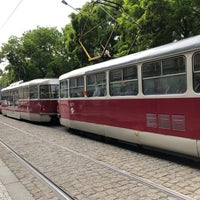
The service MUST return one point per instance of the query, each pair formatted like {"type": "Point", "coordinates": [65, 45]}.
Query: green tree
{"type": "Point", "coordinates": [44, 51]}
{"type": "Point", "coordinates": [122, 26]}
{"type": "Point", "coordinates": [148, 25]}
{"type": "Point", "coordinates": [156, 23]}
{"type": "Point", "coordinates": [13, 52]}
{"type": "Point", "coordinates": [39, 53]}
{"type": "Point", "coordinates": [73, 49]}
{"type": "Point", "coordinates": [185, 18]}
{"type": "Point", "coordinates": [93, 27]}
{"type": "Point", "coordinates": [5, 79]}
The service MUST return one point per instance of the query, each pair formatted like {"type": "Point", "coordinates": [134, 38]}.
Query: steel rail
{"type": "Point", "coordinates": [60, 192]}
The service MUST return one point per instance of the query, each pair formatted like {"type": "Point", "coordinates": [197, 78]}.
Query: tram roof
{"type": "Point", "coordinates": [183, 45]}
{"type": "Point", "coordinates": [42, 81]}
{"type": "Point", "coordinates": [32, 82]}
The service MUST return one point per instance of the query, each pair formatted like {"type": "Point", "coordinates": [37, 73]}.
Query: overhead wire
{"type": "Point", "coordinates": [121, 9]}
{"type": "Point", "coordinates": [84, 27]}
{"type": "Point", "coordinates": [11, 14]}
{"type": "Point", "coordinates": [105, 52]}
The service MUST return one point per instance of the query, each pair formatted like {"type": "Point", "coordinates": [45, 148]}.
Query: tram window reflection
{"type": "Point", "coordinates": [64, 89]}
{"type": "Point", "coordinates": [123, 82]}
{"type": "Point", "coordinates": [76, 87]}
{"type": "Point", "coordinates": [49, 91]}
{"type": "Point", "coordinates": [171, 78]}
{"type": "Point", "coordinates": [33, 90]}
{"type": "Point", "coordinates": [25, 93]}
{"type": "Point", "coordinates": [96, 85]}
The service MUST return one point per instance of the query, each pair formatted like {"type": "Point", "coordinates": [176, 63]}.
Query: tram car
{"type": "Point", "coordinates": [0, 99]}
{"type": "Point", "coordinates": [150, 98]}
{"type": "Point", "coordinates": [35, 100]}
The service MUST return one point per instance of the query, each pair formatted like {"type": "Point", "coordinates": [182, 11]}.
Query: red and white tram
{"type": "Point", "coordinates": [151, 98]}
{"type": "Point", "coordinates": [34, 100]}
{"type": "Point", "coordinates": [0, 100]}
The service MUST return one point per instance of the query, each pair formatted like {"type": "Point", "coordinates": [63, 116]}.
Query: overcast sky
{"type": "Point", "coordinates": [19, 16]}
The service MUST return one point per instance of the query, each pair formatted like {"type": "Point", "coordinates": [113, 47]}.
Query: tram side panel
{"type": "Point", "coordinates": [38, 110]}
{"type": "Point", "coordinates": [163, 116]}
{"type": "Point", "coordinates": [64, 112]}
{"type": "Point", "coordinates": [10, 108]}
{"type": "Point", "coordinates": [173, 126]}
{"type": "Point", "coordinates": [161, 123]}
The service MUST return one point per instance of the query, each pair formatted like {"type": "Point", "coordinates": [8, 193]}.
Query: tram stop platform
{"type": "Point", "coordinates": [10, 186]}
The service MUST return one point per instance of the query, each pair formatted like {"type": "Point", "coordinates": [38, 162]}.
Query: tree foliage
{"type": "Point", "coordinates": [38, 53]}
{"type": "Point", "coordinates": [44, 52]}
{"type": "Point", "coordinates": [122, 26]}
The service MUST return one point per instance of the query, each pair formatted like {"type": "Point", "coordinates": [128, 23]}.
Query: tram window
{"type": "Point", "coordinates": [151, 69]}
{"type": "Point", "coordinates": [173, 65]}
{"type": "Point", "coordinates": [116, 75]}
{"type": "Point", "coordinates": [10, 98]}
{"type": "Point", "coordinates": [76, 87]}
{"type": "Point", "coordinates": [96, 85]}
{"type": "Point", "coordinates": [25, 93]}
{"type": "Point", "coordinates": [196, 62]}
{"type": "Point", "coordinates": [130, 73]}
{"type": "Point", "coordinates": [33, 92]}
{"type": "Point", "coordinates": [64, 89]}
{"type": "Point", "coordinates": [196, 72]}
{"type": "Point", "coordinates": [16, 97]}
{"type": "Point", "coordinates": [123, 82]}
{"type": "Point", "coordinates": [53, 92]}
{"type": "Point", "coordinates": [20, 93]}
{"type": "Point", "coordinates": [44, 91]}
{"type": "Point", "coordinates": [6, 97]}
{"type": "Point", "coordinates": [49, 91]}
{"type": "Point", "coordinates": [3, 96]}
{"type": "Point", "coordinates": [16, 94]}
{"type": "Point", "coordinates": [171, 80]}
